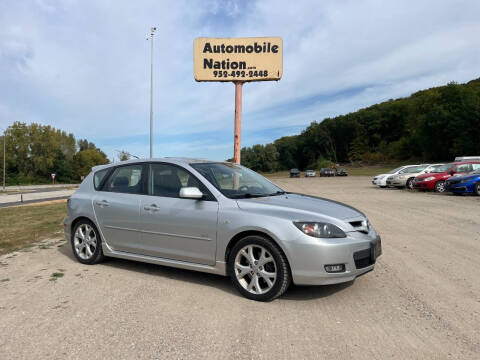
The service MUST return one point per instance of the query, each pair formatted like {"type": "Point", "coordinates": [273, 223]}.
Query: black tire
{"type": "Point", "coordinates": [409, 184]}
{"type": "Point", "coordinates": [97, 255]}
{"type": "Point", "coordinates": [283, 277]}
{"type": "Point", "coordinates": [440, 186]}
{"type": "Point", "coordinates": [476, 189]}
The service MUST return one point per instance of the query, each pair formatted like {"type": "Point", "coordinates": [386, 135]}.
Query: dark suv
{"type": "Point", "coordinates": [327, 172]}
{"type": "Point", "coordinates": [294, 173]}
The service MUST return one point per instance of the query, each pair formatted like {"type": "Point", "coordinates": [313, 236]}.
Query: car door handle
{"type": "Point", "coordinates": [152, 207]}
{"type": "Point", "coordinates": [103, 203]}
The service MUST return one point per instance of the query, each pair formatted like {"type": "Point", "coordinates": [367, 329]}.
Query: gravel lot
{"type": "Point", "coordinates": [421, 302]}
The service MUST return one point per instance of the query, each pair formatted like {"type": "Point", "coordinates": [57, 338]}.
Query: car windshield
{"type": "Point", "coordinates": [413, 169]}
{"type": "Point", "coordinates": [475, 172]}
{"type": "Point", "coordinates": [395, 170]}
{"type": "Point", "coordinates": [442, 168]}
{"type": "Point", "coordinates": [420, 168]}
{"type": "Point", "coordinates": [235, 181]}
{"type": "Point", "coordinates": [432, 168]}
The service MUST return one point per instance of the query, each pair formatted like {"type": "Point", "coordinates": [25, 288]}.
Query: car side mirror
{"type": "Point", "coordinates": [452, 172]}
{"type": "Point", "coordinates": [191, 193]}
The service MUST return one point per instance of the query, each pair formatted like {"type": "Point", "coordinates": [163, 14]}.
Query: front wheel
{"type": "Point", "coordinates": [410, 184]}
{"type": "Point", "coordinates": [258, 268]}
{"type": "Point", "coordinates": [440, 186]}
{"type": "Point", "coordinates": [476, 189]}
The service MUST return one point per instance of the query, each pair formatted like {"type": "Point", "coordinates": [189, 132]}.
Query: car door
{"type": "Point", "coordinates": [117, 207]}
{"type": "Point", "coordinates": [174, 227]}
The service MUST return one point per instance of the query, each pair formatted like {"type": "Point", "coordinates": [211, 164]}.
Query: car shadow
{"type": "Point", "coordinates": [200, 278]}
{"type": "Point", "coordinates": [223, 283]}
{"type": "Point", "coordinates": [305, 293]}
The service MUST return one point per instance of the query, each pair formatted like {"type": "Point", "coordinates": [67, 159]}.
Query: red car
{"type": "Point", "coordinates": [436, 179]}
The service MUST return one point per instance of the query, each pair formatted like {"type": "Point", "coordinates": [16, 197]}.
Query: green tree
{"type": "Point", "coordinates": [86, 159]}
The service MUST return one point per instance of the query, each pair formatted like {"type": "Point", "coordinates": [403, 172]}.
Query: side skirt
{"type": "Point", "coordinates": [218, 269]}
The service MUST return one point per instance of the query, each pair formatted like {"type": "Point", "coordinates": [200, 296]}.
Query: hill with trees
{"type": "Point", "coordinates": [437, 124]}
{"type": "Point", "coordinates": [34, 152]}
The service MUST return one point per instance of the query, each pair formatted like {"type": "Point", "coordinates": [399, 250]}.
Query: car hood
{"type": "Point", "coordinates": [424, 176]}
{"type": "Point", "coordinates": [465, 177]}
{"type": "Point", "coordinates": [300, 207]}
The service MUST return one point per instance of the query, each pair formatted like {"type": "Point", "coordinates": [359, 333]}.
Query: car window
{"type": "Point", "coordinates": [126, 179]}
{"type": "Point", "coordinates": [167, 180]}
{"type": "Point", "coordinates": [98, 177]}
{"type": "Point", "coordinates": [475, 166]}
{"type": "Point", "coordinates": [464, 168]}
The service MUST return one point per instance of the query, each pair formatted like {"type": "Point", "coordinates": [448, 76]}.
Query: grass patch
{"type": "Point", "coordinates": [370, 170]}
{"type": "Point", "coordinates": [56, 275]}
{"type": "Point", "coordinates": [21, 226]}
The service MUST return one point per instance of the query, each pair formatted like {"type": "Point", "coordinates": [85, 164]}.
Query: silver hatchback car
{"type": "Point", "coordinates": [220, 218]}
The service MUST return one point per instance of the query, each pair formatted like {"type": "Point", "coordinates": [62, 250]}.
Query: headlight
{"type": "Point", "coordinates": [465, 181]}
{"type": "Point", "coordinates": [430, 178]}
{"type": "Point", "coordinates": [320, 230]}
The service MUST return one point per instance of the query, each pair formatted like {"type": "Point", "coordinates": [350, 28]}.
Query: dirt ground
{"type": "Point", "coordinates": [421, 302]}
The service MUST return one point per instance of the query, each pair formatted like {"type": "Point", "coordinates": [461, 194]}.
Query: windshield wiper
{"type": "Point", "coordinates": [277, 193]}
{"type": "Point", "coordinates": [247, 196]}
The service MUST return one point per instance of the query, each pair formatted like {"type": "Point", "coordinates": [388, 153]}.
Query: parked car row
{"type": "Point", "coordinates": [324, 172]}
{"type": "Point", "coordinates": [458, 177]}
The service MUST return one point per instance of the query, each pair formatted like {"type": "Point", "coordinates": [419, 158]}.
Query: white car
{"type": "Point", "coordinates": [381, 180]}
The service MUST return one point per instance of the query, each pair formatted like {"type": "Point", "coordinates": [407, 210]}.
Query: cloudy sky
{"type": "Point", "coordinates": [83, 66]}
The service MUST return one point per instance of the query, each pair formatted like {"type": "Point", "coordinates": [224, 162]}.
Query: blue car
{"type": "Point", "coordinates": [469, 183]}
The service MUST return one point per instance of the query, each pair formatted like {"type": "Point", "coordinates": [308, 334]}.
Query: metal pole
{"type": "Point", "coordinates": [238, 122]}
{"type": "Point", "coordinates": [151, 91]}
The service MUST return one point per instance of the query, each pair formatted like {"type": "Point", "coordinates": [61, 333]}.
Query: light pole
{"type": "Point", "coordinates": [152, 31]}
{"type": "Point", "coordinates": [4, 156]}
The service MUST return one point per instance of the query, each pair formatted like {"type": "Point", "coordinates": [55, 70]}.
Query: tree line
{"type": "Point", "coordinates": [34, 152]}
{"type": "Point", "coordinates": [437, 124]}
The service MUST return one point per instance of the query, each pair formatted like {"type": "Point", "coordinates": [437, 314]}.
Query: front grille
{"type": "Point", "coordinates": [363, 258]}
{"type": "Point", "coordinates": [453, 182]}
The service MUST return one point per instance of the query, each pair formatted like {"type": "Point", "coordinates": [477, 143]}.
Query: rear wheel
{"type": "Point", "coordinates": [410, 183]}
{"type": "Point", "coordinates": [440, 186]}
{"type": "Point", "coordinates": [476, 189]}
{"type": "Point", "coordinates": [258, 268]}
{"type": "Point", "coordinates": [86, 243]}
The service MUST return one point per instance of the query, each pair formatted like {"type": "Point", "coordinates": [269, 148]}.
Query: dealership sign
{"type": "Point", "coordinates": [238, 59]}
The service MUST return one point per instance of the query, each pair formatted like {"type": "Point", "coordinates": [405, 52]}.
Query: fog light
{"type": "Point", "coordinates": [337, 268]}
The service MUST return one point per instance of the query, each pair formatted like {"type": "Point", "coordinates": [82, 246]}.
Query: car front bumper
{"type": "Point", "coordinates": [379, 182]}
{"type": "Point", "coordinates": [396, 183]}
{"type": "Point", "coordinates": [358, 253]}
{"type": "Point", "coordinates": [459, 187]}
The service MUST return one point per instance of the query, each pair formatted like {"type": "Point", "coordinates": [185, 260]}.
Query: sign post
{"type": "Point", "coordinates": [53, 178]}
{"type": "Point", "coordinates": [238, 60]}
{"type": "Point", "coordinates": [237, 137]}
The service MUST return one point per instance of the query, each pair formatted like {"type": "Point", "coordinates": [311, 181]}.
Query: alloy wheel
{"type": "Point", "coordinates": [85, 241]}
{"type": "Point", "coordinates": [410, 184]}
{"type": "Point", "coordinates": [255, 269]}
{"type": "Point", "coordinates": [440, 186]}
